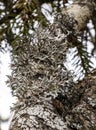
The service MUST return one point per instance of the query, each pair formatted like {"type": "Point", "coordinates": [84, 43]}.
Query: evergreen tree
{"type": "Point", "coordinates": [48, 98]}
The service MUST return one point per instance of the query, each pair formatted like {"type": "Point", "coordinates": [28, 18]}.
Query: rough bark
{"type": "Point", "coordinates": [48, 99]}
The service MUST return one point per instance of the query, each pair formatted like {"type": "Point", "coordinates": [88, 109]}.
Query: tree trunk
{"type": "Point", "coordinates": [48, 99]}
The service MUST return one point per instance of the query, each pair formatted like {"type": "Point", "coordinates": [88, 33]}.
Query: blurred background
{"type": "Point", "coordinates": [6, 99]}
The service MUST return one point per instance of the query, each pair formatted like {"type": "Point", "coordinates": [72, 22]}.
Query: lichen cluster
{"type": "Point", "coordinates": [48, 99]}
{"type": "Point", "coordinates": [39, 75]}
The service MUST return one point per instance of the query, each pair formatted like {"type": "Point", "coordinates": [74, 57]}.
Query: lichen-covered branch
{"type": "Point", "coordinates": [48, 99]}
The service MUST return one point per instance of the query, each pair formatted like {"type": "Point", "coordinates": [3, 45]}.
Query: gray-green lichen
{"type": "Point", "coordinates": [48, 99]}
